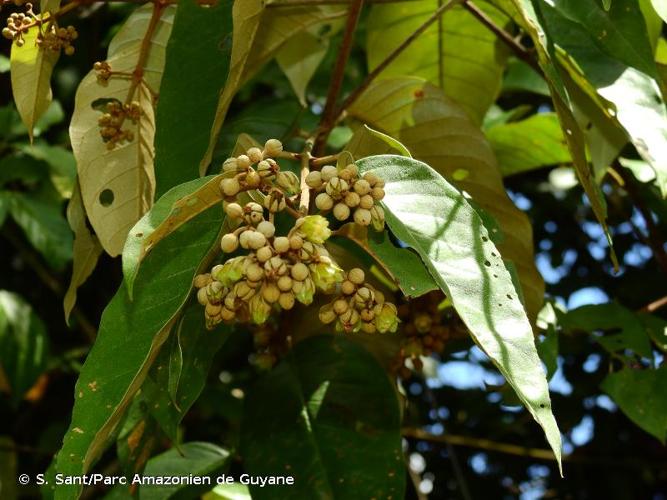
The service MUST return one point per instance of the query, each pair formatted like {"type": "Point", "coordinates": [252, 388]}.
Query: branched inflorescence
{"type": "Point", "coordinates": [268, 272]}
{"type": "Point", "coordinates": [112, 120]}
{"type": "Point", "coordinates": [50, 37]}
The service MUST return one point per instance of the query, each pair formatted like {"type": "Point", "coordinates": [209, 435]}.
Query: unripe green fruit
{"type": "Point", "coordinates": [362, 187]}
{"type": "Point", "coordinates": [324, 202]}
{"type": "Point", "coordinates": [286, 301]}
{"type": "Point", "coordinates": [281, 244]}
{"type": "Point", "coordinates": [285, 283]}
{"type": "Point", "coordinates": [300, 271]}
{"type": "Point", "coordinates": [234, 210]}
{"type": "Point", "coordinates": [255, 155]}
{"type": "Point", "coordinates": [377, 193]}
{"type": "Point", "coordinates": [328, 172]}
{"type": "Point", "coordinates": [253, 179]}
{"type": "Point", "coordinates": [243, 162]}
{"type": "Point", "coordinates": [340, 306]}
{"type": "Point", "coordinates": [352, 199]}
{"type": "Point", "coordinates": [356, 276]}
{"type": "Point", "coordinates": [230, 187]}
{"type": "Point", "coordinates": [314, 179]}
{"type": "Point", "coordinates": [347, 287]}
{"type": "Point", "coordinates": [366, 202]}
{"type": "Point", "coordinates": [229, 243]}
{"type": "Point", "coordinates": [264, 254]}
{"type": "Point", "coordinates": [266, 228]}
{"type": "Point", "coordinates": [362, 217]}
{"type": "Point", "coordinates": [257, 240]}
{"type": "Point", "coordinates": [296, 242]}
{"type": "Point", "coordinates": [341, 211]}
{"type": "Point", "coordinates": [270, 293]}
{"type": "Point", "coordinates": [254, 272]}
{"type": "Point", "coordinates": [273, 147]}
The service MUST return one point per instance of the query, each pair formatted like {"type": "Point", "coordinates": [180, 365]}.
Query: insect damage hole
{"type": "Point", "coordinates": [106, 197]}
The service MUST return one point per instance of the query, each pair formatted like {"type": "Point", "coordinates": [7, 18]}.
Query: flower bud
{"type": "Point", "coordinates": [350, 321]}
{"type": "Point", "coordinates": [244, 239]}
{"type": "Point", "coordinates": [259, 309]}
{"type": "Point", "coordinates": [227, 314]}
{"type": "Point", "coordinates": [304, 291]}
{"type": "Point", "coordinates": [377, 218]}
{"type": "Point", "coordinates": [230, 272]}
{"type": "Point", "coordinates": [281, 244]}
{"type": "Point", "coordinates": [201, 280]}
{"type": "Point", "coordinates": [202, 296]}
{"type": "Point", "coordinates": [264, 254]}
{"type": "Point", "coordinates": [366, 202]}
{"type": "Point", "coordinates": [341, 211]}
{"type": "Point", "coordinates": [327, 314]}
{"type": "Point", "coordinates": [345, 174]}
{"type": "Point", "coordinates": [253, 213]}
{"type": "Point", "coordinates": [229, 243]}
{"type": "Point", "coordinates": [371, 178]}
{"type": "Point", "coordinates": [337, 187]}
{"type": "Point", "coordinates": [230, 187]}
{"type": "Point", "coordinates": [327, 172]}
{"type": "Point", "coordinates": [347, 287]}
{"type": "Point", "coordinates": [230, 165]}
{"type": "Point", "coordinates": [234, 210]}
{"type": "Point", "coordinates": [243, 162]}
{"type": "Point", "coordinates": [274, 202]}
{"type": "Point", "coordinates": [266, 228]}
{"type": "Point", "coordinates": [299, 271]}
{"type": "Point", "coordinates": [215, 292]}
{"type": "Point", "coordinates": [255, 155]}
{"type": "Point", "coordinates": [243, 291]}
{"type": "Point", "coordinates": [353, 168]}
{"type": "Point", "coordinates": [362, 217]}
{"type": "Point", "coordinates": [272, 148]}
{"type": "Point", "coordinates": [296, 242]}
{"type": "Point", "coordinates": [267, 168]}
{"type": "Point", "coordinates": [364, 297]}
{"type": "Point", "coordinates": [275, 267]}
{"type": "Point", "coordinates": [288, 181]}
{"type": "Point", "coordinates": [270, 293]}
{"type": "Point", "coordinates": [326, 274]}
{"type": "Point", "coordinates": [253, 179]}
{"type": "Point", "coordinates": [324, 202]}
{"type": "Point", "coordinates": [340, 306]}
{"type": "Point", "coordinates": [356, 276]}
{"type": "Point", "coordinates": [351, 199]}
{"type": "Point", "coordinates": [367, 315]}
{"type": "Point", "coordinates": [377, 193]}
{"type": "Point", "coordinates": [387, 318]}
{"type": "Point", "coordinates": [254, 272]}
{"type": "Point", "coordinates": [368, 327]}
{"type": "Point", "coordinates": [286, 300]}
{"type": "Point", "coordinates": [212, 310]}
{"type": "Point", "coordinates": [362, 187]}
{"type": "Point", "coordinates": [314, 179]}
{"type": "Point", "coordinates": [314, 228]}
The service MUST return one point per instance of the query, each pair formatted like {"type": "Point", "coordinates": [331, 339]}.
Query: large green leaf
{"type": "Point", "coordinates": [642, 397]}
{"type": "Point", "coordinates": [458, 54]}
{"type": "Point", "coordinates": [196, 458]}
{"type": "Point", "coordinates": [528, 144]}
{"type": "Point", "coordinates": [130, 335]}
{"type": "Point", "coordinates": [195, 70]}
{"type": "Point", "coordinates": [435, 130]}
{"type": "Point", "coordinates": [430, 215]}
{"type": "Point", "coordinates": [329, 417]}
{"type": "Point", "coordinates": [24, 344]}
{"type": "Point", "coordinates": [44, 226]}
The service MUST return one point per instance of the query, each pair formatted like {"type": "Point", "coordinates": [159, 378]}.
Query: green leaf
{"type": "Point", "coordinates": [31, 68]}
{"type": "Point", "coordinates": [60, 160]}
{"type": "Point", "coordinates": [660, 7]}
{"type": "Point", "coordinates": [328, 416]}
{"type": "Point", "coordinates": [458, 54]}
{"type": "Point", "coordinates": [196, 458]}
{"type": "Point", "coordinates": [521, 77]}
{"type": "Point", "coordinates": [173, 389]}
{"type": "Point", "coordinates": [24, 344]}
{"type": "Point", "coordinates": [135, 246]}
{"type": "Point", "coordinates": [428, 214]}
{"type": "Point", "coordinates": [195, 70]}
{"type": "Point", "coordinates": [629, 332]}
{"type": "Point", "coordinates": [435, 130]}
{"type": "Point", "coordinates": [138, 437]}
{"type": "Point", "coordinates": [234, 491]}
{"type": "Point", "coordinates": [257, 36]}
{"type": "Point", "coordinates": [641, 395]}
{"type": "Point", "coordinates": [529, 144]}
{"type": "Point", "coordinates": [44, 226]}
{"type": "Point", "coordinates": [548, 347]}
{"type": "Point", "coordinates": [130, 335]}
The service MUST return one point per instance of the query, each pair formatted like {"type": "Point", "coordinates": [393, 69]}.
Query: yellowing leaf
{"type": "Point", "coordinates": [458, 54]}
{"type": "Point", "coordinates": [437, 131]}
{"type": "Point", "coordinates": [118, 185]}
{"type": "Point", "coordinates": [87, 250]}
{"type": "Point", "coordinates": [31, 69]}
{"type": "Point", "coordinates": [258, 34]}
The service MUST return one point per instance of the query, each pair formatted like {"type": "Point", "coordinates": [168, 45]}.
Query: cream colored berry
{"type": "Point", "coordinates": [255, 155]}
{"type": "Point", "coordinates": [362, 216]}
{"type": "Point", "coordinates": [266, 228]}
{"type": "Point", "coordinates": [229, 243]}
{"type": "Point", "coordinates": [314, 179]}
{"type": "Point", "coordinates": [356, 276]}
{"type": "Point", "coordinates": [328, 171]}
{"type": "Point", "coordinates": [341, 211]}
{"type": "Point", "coordinates": [324, 202]}
{"type": "Point", "coordinates": [299, 271]}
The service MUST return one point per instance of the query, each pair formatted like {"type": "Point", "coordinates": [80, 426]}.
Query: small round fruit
{"type": "Point", "coordinates": [264, 254]}
{"type": "Point", "coordinates": [362, 187]}
{"type": "Point", "coordinates": [243, 161]}
{"type": "Point", "coordinates": [281, 244]}
{"type": "Point", "coordinates": [324, 202]}
{"type": "Point", "coordinates": [341, 211]}
{"type": "Point", "coordinates": [255, 155]}
{"type": "Point", "coordinates": [234, 210]}
{"type": "Point", "coordinates": [286, 301]}
{"type": "Point", "coordinates": [314, 179]}
{"type": "Point", "coordinates": [266, 228]}
{"type": "Point", "coordinates": [328, 172]}
{"type": "Point", "coordinates": [299, 271]}
{"type": "Point", "coordinates": [366, 202]}
{"type": "Point", "coordinates": [230, 187]}
{"type": "Point", "coordinates": [356, 276]}
{"type": "Point", "coordinates": [362, 216]}
{"type": "Point", "coordinates": [229, 243]}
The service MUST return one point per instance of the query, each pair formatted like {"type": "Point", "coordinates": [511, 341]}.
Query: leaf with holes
{"type": "Point", "coordinates": [458, 53]}
{"type": "Point", "coordinates": [259, 32]}
{"type": "Point", "coordinates": [436, 130]}
{"type": "Point", "coordinates": [118, 185]}
{"type": "Point", "coordinates": [429, 215]}
{"type": "Point", "coordinates": [304, 418]}
{"type": "Point", "coordinates": [129, 338]}
{"type": "Point", "coordinates": [31, 68]}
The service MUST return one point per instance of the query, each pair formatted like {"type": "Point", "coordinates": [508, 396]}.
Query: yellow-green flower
{"type": "Point", "coordinates": [314, 228]}
{"type": "Point", "coordinates": [304, 291]}
{"type": "Point", "coordinates": [326, 274]}
{"type": "Point", "coordinates": [259, 309]}
{"type": "Point", "coordinates": [386, 319]}
{"type": "Point", "coordinates": [230, 272]}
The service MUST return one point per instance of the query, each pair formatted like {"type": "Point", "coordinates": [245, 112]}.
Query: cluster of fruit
{"type": "Point", "coordinates": [56, 39]}
{"type": "Point", "coordinates": [347, 194]}
{"type": "Point", "coordinates": [103, 70]}
{"type": "Point", "coordinates": [112, 120]}
{"type": "Point", "coordinates": [18, 24]}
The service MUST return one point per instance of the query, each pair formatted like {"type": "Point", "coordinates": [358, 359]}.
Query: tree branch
{"type": "Point", "coordinates": [304, 202]}
{"type": "Point", "coordinates": [328, 115]}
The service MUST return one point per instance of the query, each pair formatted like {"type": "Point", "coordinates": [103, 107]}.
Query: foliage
{"type": "Point", "coordinates": [299, 222]}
